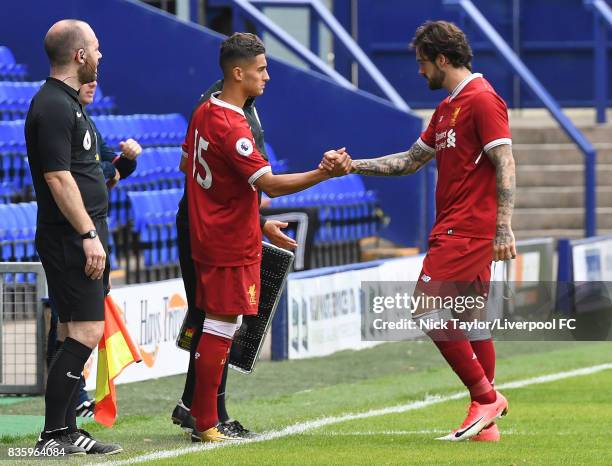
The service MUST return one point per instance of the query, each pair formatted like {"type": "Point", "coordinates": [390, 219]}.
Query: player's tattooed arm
{"type": "Point", "coordinates": [501, 156]}
{"type": "Point", "coordinates": [402, 163]}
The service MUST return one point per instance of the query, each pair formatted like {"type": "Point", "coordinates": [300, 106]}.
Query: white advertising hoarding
{"type": "Point", "coordinates": [324, 312]}
{"type": "Point", "coordinates": [153, 314]}
{"type": "Point", "coordinates": [593, 260]}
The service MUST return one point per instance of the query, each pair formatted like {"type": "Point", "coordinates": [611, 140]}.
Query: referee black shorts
{"type": "Point", "coordinates": [76, 296]}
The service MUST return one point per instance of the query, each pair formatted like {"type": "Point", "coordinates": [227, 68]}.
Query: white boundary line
{"type": "Point", "coordinates": [301, 427]}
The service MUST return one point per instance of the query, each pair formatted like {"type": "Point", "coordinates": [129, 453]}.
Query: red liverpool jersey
{"type": "Point", "coordinates": [469, 122]}
{"type": "Point", "coordinates": [223, 165]}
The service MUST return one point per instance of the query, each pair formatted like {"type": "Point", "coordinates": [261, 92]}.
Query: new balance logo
{"type": "Point", "coordinates": [451, 138]}
{"type": "Point", "coordinates": [68, 374]}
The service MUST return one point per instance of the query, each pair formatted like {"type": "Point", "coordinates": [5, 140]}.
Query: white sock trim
{"type": "Point", "coordinates": [219, 328]}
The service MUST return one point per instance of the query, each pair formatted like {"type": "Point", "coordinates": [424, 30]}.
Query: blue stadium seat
{"type": "Point", "coordinates": [278, 165]}
{"type": "Point", "coordinates": [15, 98]}
{"type": "Point", "coordinates": [13, 164]}
{"type": "Point", "coordinates": [153, 214]}
{"type": "Point", "coordinates": [101, 105]}
{"type": "Point", "coordinates": [347, 211]}
{"type": "Point", "coordinates": [148, 130]}
{"type": "Point", "coordinates": [9, 68]}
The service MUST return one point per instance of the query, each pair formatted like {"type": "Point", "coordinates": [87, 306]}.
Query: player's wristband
{"type": "Point", "coordinates": [124, 165]}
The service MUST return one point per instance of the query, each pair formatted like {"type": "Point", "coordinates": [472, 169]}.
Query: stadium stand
{"type": "Point", "coordinates": [142, 207]}
{"type": "Point", "coordinates": [10, 70]}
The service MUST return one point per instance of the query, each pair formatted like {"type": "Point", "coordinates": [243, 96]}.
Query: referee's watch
{"type": "Point", "coordinates": [91, 234]}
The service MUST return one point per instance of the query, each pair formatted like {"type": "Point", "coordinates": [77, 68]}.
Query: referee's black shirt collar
{"type": "Point", "coordinates": [62, 85]}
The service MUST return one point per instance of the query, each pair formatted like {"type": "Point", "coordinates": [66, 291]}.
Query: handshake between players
{"type": "Point", "coordinates": [336, 162]}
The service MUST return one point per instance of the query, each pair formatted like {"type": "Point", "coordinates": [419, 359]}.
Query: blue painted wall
{"type": "Point", "coordinates": [155, 63]}
{"type": "Point", "coordinates": [555, 36]}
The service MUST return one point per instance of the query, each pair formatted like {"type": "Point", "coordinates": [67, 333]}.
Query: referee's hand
{"type": "Point", "coordinates": [96, 258]}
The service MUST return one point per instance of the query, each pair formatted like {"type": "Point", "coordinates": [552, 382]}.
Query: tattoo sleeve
{"type": "Point", "coordinates": [501, 157]}
{"type": "Point", "coordinates": [402, 163]}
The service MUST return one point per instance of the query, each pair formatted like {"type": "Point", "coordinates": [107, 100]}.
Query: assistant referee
{"type": "Point", "coordinates": [71, 229]}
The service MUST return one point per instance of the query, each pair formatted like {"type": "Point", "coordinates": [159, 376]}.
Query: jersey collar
{"type": "Point", "coordinates": [65, 87]}
{"type": "Point", "coordinates": [221, 103]}
{"type": "Point", "coordinates": [459, 87]}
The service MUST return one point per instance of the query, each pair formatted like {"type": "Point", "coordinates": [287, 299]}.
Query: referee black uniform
{"type": "Point", "coordinates": [60, 136]}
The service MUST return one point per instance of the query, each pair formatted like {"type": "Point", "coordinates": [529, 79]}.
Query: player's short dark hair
{"type": "Point", "coordinates": [60, 45]}
{"type": "Point", "coordinates": [238, 47]}
{"type": "Point", "coordinates": [435, 38]}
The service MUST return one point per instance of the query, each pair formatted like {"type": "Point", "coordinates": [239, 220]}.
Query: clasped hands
{"type": "Point", "coordinates": [336, 162]}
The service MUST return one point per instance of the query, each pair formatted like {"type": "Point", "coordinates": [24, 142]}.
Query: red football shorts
{"type": "Point", "coordinates": [455, 266]}
{"type": "Point", "coordinates": [229, 291]}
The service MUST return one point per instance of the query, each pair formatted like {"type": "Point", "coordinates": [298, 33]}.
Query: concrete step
{"type": "Point", "coordinates": [571, 233]}
{"type": "Point", "coordinates": [581, 117]}
{"type": "Point", "coordinates": [560, 175]}
{"type": "Point", "coordinates": [558, 218]}
{"type": "Point", "coordinates": [541, 134]}
{"type": "Point", "coordinates": [558, 154]}
{"type": "Point", "coordinates": [561, 196]}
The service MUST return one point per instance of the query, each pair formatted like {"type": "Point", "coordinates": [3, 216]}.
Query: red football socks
{"type": "Point", "coordinates": [459, 354]}
{"type": "Point", "coordinates": [485, 352]}
{"type": "Point", "coordinates": [210, 360]}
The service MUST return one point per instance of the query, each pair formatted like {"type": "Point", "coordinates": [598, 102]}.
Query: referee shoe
{"type": "Point", "coordinates": [83, 439]}
{"type": "Point", "coordinates": [233, 428]}
{"type": "Point", "coordinates": [182, 417]}
{"type": "Point", "coordinates": [57, 443]}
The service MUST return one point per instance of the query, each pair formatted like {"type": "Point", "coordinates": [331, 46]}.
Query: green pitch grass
{"type": "Point", "coordinates": [562, 422]}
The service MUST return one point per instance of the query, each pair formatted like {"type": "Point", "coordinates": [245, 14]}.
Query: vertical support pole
{"type": "Point", "coordinates": [600, 66]}
{"type": "Point", "coordinates": [280, 343]}
{"type": "Point", "coordinates": [516, 46]}
{"type": "Point", "coordinates": [313, 24]}
{"type": "Point", "coordinates": [194, 11]}
{"type": "Point", "coordinates": [41, 334]}
{"type": "Point", "coordinates": [565, 276]}
{"type": "Point", "coordinates": [590, 194]}
{"type": "Point", "coordinates": [343, 11]}
{"type": "Point", "coordinates": [430, 204]}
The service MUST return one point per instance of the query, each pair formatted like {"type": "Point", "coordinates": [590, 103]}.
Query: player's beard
{"type": "Point", "coordinates": [435, 82]}
{"type": "Point", "coordinates": [87, 73]}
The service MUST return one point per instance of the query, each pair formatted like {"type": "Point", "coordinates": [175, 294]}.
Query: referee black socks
{"type": "Point", "coordinates": [63, 379]}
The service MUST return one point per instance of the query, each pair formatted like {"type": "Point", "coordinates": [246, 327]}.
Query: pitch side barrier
{"type": "Point", "coordinates": [332, 309]}
{"type": "Point", "coordinates": [321, 311]}
{"type": "Point", "coordinates": [585, 286]}
{"type": "Point", "coordinates": [22, 331]}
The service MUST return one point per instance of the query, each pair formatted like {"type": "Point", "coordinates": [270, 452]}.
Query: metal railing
{"type": "Point", "coordinates": [590, 155]}
{"type": "Point", "coordinates": [23, 286]}
{"type": "Point", "coordinates": [320, 13]}
{"type": "Point", "coordinates": [602, 17]}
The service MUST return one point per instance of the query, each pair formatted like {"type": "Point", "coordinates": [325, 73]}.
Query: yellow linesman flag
{"type": "Point", "coordinates": [116, 351]}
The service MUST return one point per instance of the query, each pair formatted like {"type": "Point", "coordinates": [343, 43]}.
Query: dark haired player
{"type": "Point", "coordinates": [470, 138]}
{"type": "Point", "coordinates": [225, 169]}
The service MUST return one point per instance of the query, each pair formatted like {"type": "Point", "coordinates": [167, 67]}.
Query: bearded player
{"type": "Point", "coordinates": [470, 138]}
{"type": "Point", "coordinates": [225, 170]}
